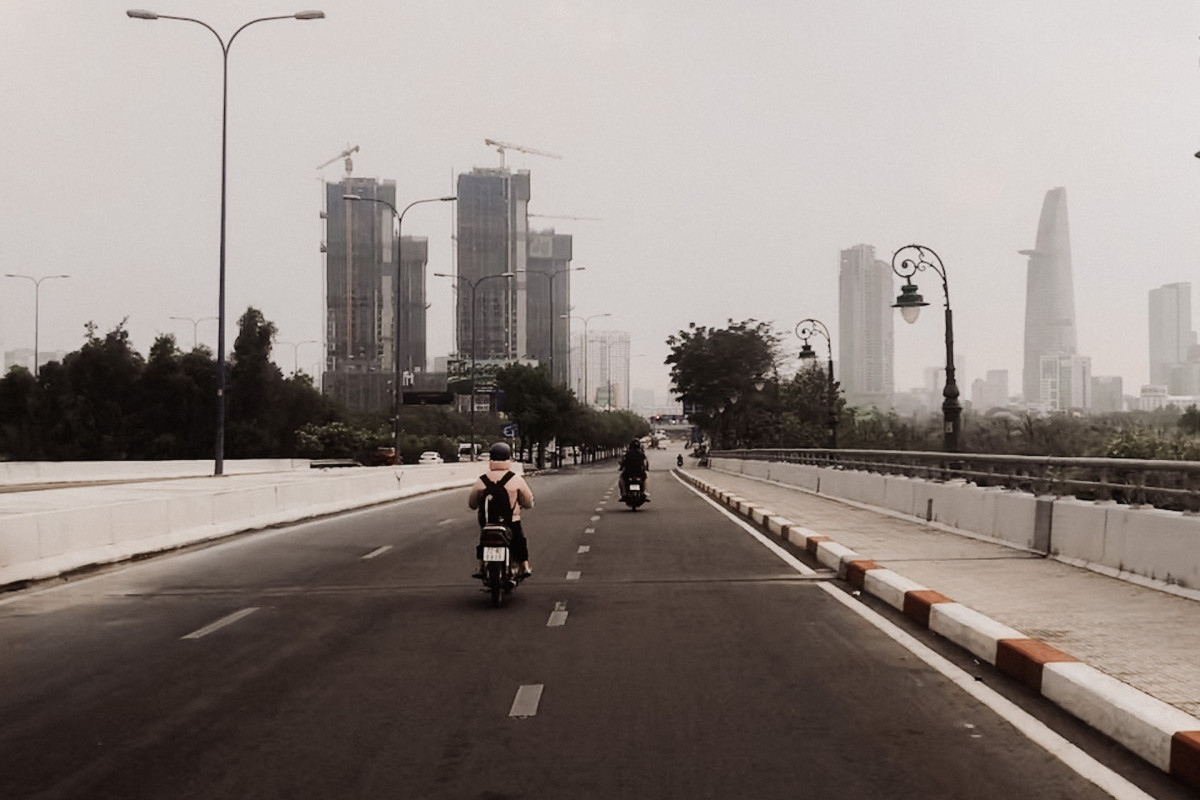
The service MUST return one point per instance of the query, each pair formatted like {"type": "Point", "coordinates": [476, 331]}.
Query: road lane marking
{"type": "Point", "coordinates": [1036, 731]}
{"type": "Point", "coordinates": [595, 518]}
{"type": "Point", "coordinates": [573, 575]}
{"type": "Point", "coordinates": [558, 617]}
{"type": "Point", "coordinates": [589, 530]}
{"type": "Point", "coordinates": [378, 551]}
{"type": "Point", "coordinates": [445, 521]}
{"type": "Point", "coordinates": [526, 702]}
{"type": "Point", "coordinates": [221, 623]}
{"type": "Point", "coordinates": [583, 548]}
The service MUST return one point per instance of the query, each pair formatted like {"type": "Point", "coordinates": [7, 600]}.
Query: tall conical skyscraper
{"type": "Point", "coordinates": [1049, 293]}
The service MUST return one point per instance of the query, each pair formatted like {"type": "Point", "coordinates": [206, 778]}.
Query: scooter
{"type": "Point", "coordinates": [635, 494]}
{"type": "Point", "coordinates": [500, 575]}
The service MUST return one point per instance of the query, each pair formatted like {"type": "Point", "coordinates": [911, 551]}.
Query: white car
{"type": "Point", "coordinates": [431, 457]}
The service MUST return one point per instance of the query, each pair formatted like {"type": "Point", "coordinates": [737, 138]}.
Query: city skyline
{"type": "Point", "coordinates": [682, 180]}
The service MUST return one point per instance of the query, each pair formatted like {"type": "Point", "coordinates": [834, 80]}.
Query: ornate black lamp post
{"type": "Point", "coordinates": [805, 330]}
{"type": "Point", "coordinates": [906, 262]}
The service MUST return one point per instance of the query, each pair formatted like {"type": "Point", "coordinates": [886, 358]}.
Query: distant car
{"type": "Point", "coordinates": [431, 457]}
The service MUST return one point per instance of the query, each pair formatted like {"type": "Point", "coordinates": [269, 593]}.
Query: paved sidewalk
{"type": "Point", "coordinates": [1144, 638]}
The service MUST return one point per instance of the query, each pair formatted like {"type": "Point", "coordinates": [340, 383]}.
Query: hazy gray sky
{"type": "Point", "coordinates": [729, 149]}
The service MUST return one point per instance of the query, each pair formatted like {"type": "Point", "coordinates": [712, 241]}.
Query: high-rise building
{"type": "Point", "coordinates": [600, 368]}
{"type": "Point", "coordinates": [1171, 335]}
{"type": "Point", "coordinates": [493, 228]}
{"type": "Point", "coordinates": [990, 392]}
{"type": "Point", "coordinates": [414, 255]}
{"type": "Point", "coordinates": [1049, 294]}
{"type": "Point", "coordinates": [548, 294]}
{"type": "Point", "coordinates": [1065, 382]}
{"type": "Point", "coordinates": [359, 259]}
{"type": "Point", "coordinates": [1108, 394]}
{"type": "Point", "coordinates": [865, 341]}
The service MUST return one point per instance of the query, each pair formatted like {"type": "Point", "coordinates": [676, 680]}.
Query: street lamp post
{"type": "Point", "coordinates": [906, 262]}
{"type": "Point", "coordinates": [399, 215]}
{"type": "Point", "coordinates": [219, 458]}
{"type": "Point", "coordinates": [550, 277]}
{"type": "Point", "coordinates": [195, 323]}
{"type": "Point", "coordinates": [37, 291]}
{"type": "Point", "coordinates": [296, 353]}
{"type": "Point", "coordinates": [586, 320]}
{"type": "Point", "coordinates": [473, 284]}
{"type": "Point", "coordinates": [805, 330]}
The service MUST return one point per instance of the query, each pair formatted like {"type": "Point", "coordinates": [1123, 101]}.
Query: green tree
{"type": "Point", "coordinates": [253, 419]}
{"type": "Point", "coordinates": [713, 369]}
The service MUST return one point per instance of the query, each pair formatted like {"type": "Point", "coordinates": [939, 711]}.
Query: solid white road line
{"type": "Point", "coordinates": [526, 702]}
{"type": "Point", "coordinates": [573, 575]}
{"type": "Point", "coordinates": [558, 617]}
{"type": "Point", "coordinates": [221, 623]}
{"type": "Point", "coordinates": [378, 551]}
{"type": "Point", "coordinates": [1035, 730]}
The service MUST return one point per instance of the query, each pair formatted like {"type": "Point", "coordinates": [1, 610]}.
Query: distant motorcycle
{"type": "Point", "coordinates": [500, 575]}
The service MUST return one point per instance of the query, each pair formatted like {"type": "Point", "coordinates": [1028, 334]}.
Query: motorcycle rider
{"type": "Point", "coordinates": [634, 464]}
{"type": "Point", "coordinates": [519, 496]}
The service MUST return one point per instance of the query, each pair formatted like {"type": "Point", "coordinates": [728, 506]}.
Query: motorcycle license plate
{"type": "Point", "coordinates": [495, 554]}
{"type": "Point", "coordinates": [635, 487]}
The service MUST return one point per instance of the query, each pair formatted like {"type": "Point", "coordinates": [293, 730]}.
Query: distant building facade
{"type": "Point", "coordinates": [1065, 383]}
{"type": "Point", "coordinates": [990, 392]}
{"type": "Point", "coordinates": [492, 235]}
{"type": "Point", "coordinates": [1172, 339]}
{"type": "Point", "coordinates": [548, 300]}
{"type": "Point", "coordinates": [600, 369]}
{"type": "Point", "coordinates": [359, 300]}
{"type": "Point", "coordinates": [1108, 394]}
{"type": "Point", "coordinates": [1049, 294]}
{"type": "Point", "coordinates": [865, 342]}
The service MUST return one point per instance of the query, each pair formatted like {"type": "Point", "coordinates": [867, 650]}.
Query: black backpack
{"type": "Point", "coordinates": [495, 508]}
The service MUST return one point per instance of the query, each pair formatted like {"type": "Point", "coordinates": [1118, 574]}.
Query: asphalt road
{"type": "Point", "coordinates": [665, 653]}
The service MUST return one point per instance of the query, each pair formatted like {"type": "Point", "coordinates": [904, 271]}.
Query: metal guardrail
{"type": "Point", "coordinates": [1173, 485]}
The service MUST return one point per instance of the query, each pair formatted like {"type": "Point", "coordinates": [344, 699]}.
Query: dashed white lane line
{"type": "Point", "coordinates": [558, 617]}
{"type": "Point", "coordinates": [589, 530]}
{"type": "Point", "coordinates": [221, 623]}
{"type": "Point", "coordinates": [1035, 730]}
{"type": "Point", "coordinates": [526, 702]}
{"type": "Point", "coordinates": [573, 575]}
{"type": "Point", "coordinates": [596, 518]}
{"type": "Point", "coordinates": [445, 521]}
{"type": "Point", "coordinates": [378, 551]}
{"type": "Point", "coordinates": [584, 548]}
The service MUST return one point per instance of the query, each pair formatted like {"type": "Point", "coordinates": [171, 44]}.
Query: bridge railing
{"type": "Point", "coordinates": [1173, 485]}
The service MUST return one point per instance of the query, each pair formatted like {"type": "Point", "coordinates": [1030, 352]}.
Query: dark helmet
{"type": "Point", "coordinates": [635, 444]}
{"type": "Point", "coordinates": [500, 452]}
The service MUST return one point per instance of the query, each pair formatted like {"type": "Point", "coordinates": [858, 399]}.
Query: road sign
{"type": "Point", "coordinates": [509, 431]}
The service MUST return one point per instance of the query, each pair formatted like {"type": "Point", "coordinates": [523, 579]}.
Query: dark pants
{"type": "Point", "coordinates": [518, 547]}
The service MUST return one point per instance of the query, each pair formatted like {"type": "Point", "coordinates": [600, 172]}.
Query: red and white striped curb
{"type": "Point", "coordinates": [1156, 731]}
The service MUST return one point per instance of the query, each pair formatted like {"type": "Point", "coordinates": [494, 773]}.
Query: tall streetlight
{"type": "Point", "coordinates": [37, 291]}
{"type": "Point", "coordinates": [399, 215]}
{"type": "Point", "coordinates": [473, 284]}
{"type": "Point", "coordinates": [296, 353]}
{"type": "Point", "coordinates": [906, 262]}
{"type": "Point", "coordinates": [585, 320]}
{"type": "Point", "coordinates": [219, 458]}
{"type": "Point", "coordinates": [550, 276]}
{"type": "Point", "coordinates": [805, 330]}
{"type": "Point", "coordinates": [195, 323]}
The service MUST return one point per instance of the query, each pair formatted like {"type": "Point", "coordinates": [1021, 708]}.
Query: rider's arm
{"type": "Point", "coordinates": [524, 495]}
{"type": "Point", "coordinates": [476, 493]}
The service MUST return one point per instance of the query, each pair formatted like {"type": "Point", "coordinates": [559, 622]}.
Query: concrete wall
{"type": "Point", "coordinates": [60, 530]}
{"type": "Point", "coordinates": [15, 473]}
{"type": "Point", "coordinates": [1148, 542]}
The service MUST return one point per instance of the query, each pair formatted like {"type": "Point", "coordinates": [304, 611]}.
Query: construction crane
{"type": "Point", "coordinates": [555, 216]}
{"type": "Point", "coordinates": [346, 155]}
{"type": "Point", "coordinates": [502, 146]}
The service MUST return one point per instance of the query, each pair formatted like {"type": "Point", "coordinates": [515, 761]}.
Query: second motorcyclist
{"type": "Point", "coordinates": [634, 464]}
